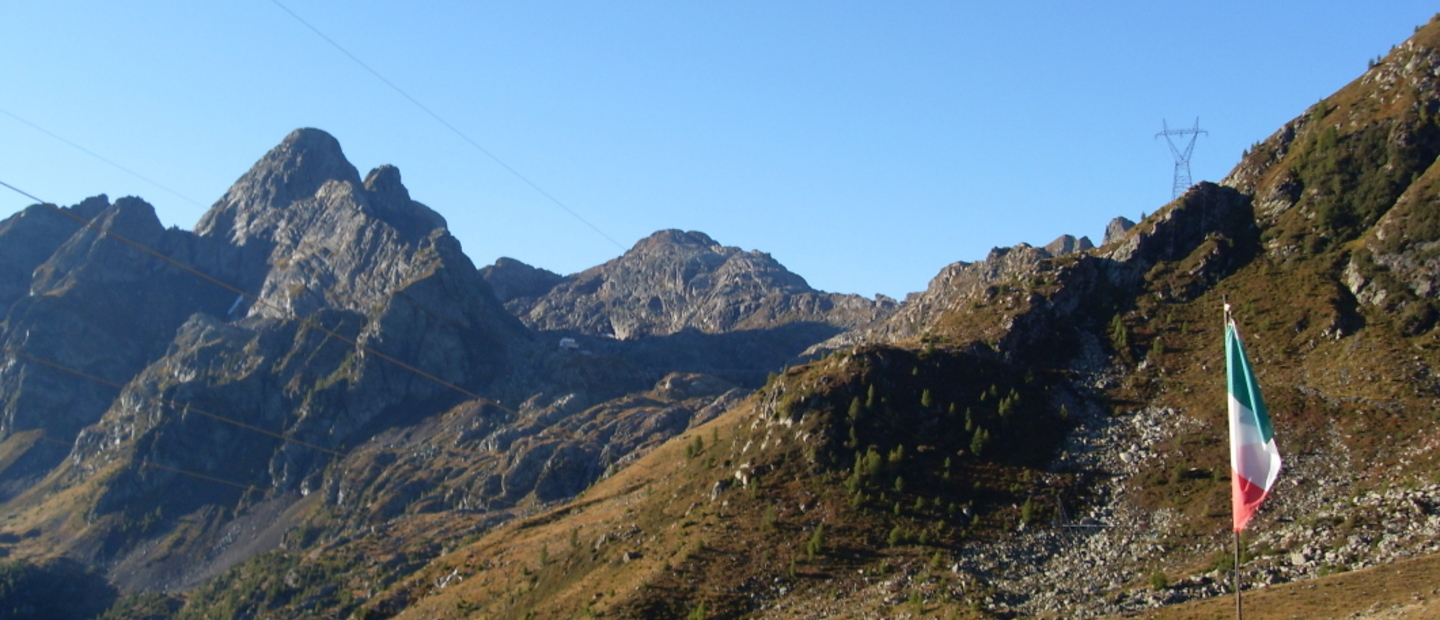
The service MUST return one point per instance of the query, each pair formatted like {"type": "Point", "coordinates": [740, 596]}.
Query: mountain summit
{"type": "Point", "coordinates": [675, 280]}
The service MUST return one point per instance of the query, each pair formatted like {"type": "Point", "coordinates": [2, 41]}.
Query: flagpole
{"type": "Point", "coordinates": [1235, 577]}
{"type": "Point", "coordinates": [1238, 614]}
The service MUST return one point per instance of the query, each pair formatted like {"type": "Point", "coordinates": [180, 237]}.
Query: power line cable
{"type": "Point", "coordinates": [186, 407]}
{"type": "Point", "coordinates": [247, 487]}
{"type": "Point", "coordinates": [447, 124]}
{"type": "Point", "coordinates": [101, 158]}
{"type": "Point", "coordinates": [151, 463]}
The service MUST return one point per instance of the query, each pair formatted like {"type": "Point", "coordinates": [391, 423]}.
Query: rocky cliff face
{"type": "Point", "coordinates": [673, 281]}
{"type": "Point", "coordinates": [84, 312]}
{"type": "Point", "coordinates": [1025, 298]}
{"type": "Point", "coordinates": [356, 311]}
{"type": "Point", "coordinates": [513, 280]}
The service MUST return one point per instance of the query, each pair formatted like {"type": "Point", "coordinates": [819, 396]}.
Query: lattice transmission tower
{"type": "Point", "coordinates": [1182, 156]}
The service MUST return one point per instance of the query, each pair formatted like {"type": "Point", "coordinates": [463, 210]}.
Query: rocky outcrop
{"type": "Point", "coordinates": [94, 313]}
{"type": "Point", "coordinates": [30, 237]}
{"type": "Point", "coordinates": [1068, 244]}
{"type": "Point", "coordinates": [674, 280]}
{"type": "Point", "coordinates": [1022, 300]}
{"type": "Point", "coordinates": [514, 281]}
{"type": "Point", "coordinates": [1116, 229]}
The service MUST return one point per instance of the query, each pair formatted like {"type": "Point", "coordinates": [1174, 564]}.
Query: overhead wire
{"type": "Point", "coordinates": [453, 129]}
{"type": "Point", "coordinates": [185, 407]}
{"type": "Point", "coordinates": [150, 463]}
{"type": "Point", "coordinates": [100, 157]}
{"type": "Point", "coordinates": [247, 487]}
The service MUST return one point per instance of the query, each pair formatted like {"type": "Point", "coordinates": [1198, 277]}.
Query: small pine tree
{"type": "Point", "coordinates": [899, 484]}
{"type": "Point", "coordinates": [856, 410]}
{"type": "Point", "coordinates": [1009, 404]}
{"type": "Point", "coordinates": [978, 441]}
{"type": "Point", "coordinates": [874, 464]}
{"type": "Point", "coordinates": [1119, 336]}
{"type": "Point", "coordinates": [870, 397]}
{"type": "Point", "coordinates": [816, 545]}
{"type": "Point", "coordinates": [698, 613]}
{"type": "Point", "coordinates": [925, 400]}
{"type": "Point", "coordinates": [896, 537]}
{"type": "Point", "coordinates": [896, 457]}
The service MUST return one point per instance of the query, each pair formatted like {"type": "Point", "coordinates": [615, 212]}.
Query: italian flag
{"type": "Point", "coordinates": [1254, 460]}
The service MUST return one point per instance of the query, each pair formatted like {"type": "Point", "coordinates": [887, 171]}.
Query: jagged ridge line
{"type": "Point", "coordinates": [447, 124]}
{"type": "Point", "coordinates": [185, 407]}
{"type": "Point", "coordinates": [101, 158]}
{"type": "Point", "coordinates": [288, 315]}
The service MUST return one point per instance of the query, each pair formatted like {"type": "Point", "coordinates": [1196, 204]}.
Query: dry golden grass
{"type": "Point", "coordinates": [1407, 589]}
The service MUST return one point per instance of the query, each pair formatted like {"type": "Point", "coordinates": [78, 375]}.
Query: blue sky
{"type": "Point", "coordinates": [863, 144]}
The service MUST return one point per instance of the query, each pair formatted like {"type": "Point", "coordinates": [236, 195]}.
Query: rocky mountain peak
{"type": "Point", "coordinates": [390, 201]}
{"type": "Point", "coordinates": [1067, 244]}
{"type": "Point", "coordinates": [674, 280]}
{"type": "Point", "coordinates": [1116, 229]}
{"type": "Point", "coordinates": [294, 170]}
{"type": "Point", "coordinates": [674, 237]}
{"type": "Point", "coordinates": [513, 279]}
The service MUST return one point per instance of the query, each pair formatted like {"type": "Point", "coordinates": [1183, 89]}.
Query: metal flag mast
{"type": "Point", "coordinates": [1235, 572]}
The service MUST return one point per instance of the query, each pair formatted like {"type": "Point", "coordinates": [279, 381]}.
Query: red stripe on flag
{"type": "Point", "coordinates": [1245, 498]}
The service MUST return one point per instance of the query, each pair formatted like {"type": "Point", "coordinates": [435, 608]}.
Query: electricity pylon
{"type": "Point", "coordinates": [1182, 157]}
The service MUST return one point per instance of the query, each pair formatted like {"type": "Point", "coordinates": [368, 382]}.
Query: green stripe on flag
{"type": "Point", "coordinates": [1242, 384]}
